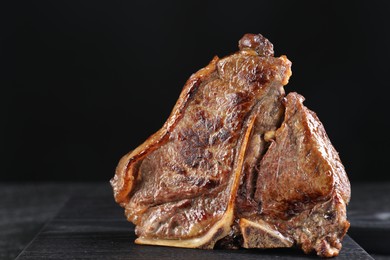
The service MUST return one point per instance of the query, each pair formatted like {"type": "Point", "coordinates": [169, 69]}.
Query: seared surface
{"type": "Point", "coordinates": [237, 162]}
{"type": "Point", "coordinates": [192, 170]}
{"type": "Point", "coordinates": [302, 157]}
{"type": "Point", "coordinates": [302, 186]}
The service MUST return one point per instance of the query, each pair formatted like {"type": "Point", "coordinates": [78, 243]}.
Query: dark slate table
{"type": "Point", "coordinates": [79, 221]}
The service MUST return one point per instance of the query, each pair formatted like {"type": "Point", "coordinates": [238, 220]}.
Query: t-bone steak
{"type": "Point", "coordinates": [237, 164]}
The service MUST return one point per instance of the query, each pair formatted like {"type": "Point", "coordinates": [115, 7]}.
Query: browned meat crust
{"type": "Point", "coordinates": [237, 163]}
{"type": "Point", "coordinates": [301, 183]}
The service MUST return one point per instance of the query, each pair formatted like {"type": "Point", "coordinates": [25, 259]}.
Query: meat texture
{"type": "Point", "coordinates": [237, 164]}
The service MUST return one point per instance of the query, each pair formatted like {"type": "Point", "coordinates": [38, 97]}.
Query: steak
{"type": "Point", "coordinates": [237, 164]}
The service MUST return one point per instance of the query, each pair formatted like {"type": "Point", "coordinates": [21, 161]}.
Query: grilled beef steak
{"type": "Point", "coordinates": [237, 164]}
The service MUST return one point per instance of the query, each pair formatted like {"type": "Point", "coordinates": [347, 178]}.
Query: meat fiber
{"type": "Point", "coordinates": [237, 164]}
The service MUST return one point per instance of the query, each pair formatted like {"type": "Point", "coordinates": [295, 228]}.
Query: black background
{"type": "Point", "coordinates": [83, 83]}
